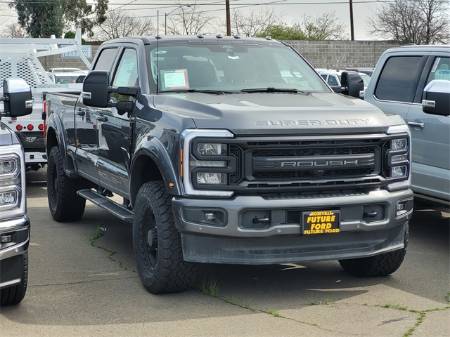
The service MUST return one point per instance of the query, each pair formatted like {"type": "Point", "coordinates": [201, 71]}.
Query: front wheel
{"type": "Point", "coordinates": [378, 265]}
{"type": "Point", "coordinates": [14, 295]}
{"type": "Point", "coordinates": [157, 243]}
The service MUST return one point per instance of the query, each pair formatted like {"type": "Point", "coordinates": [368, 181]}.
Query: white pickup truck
{"type": "Point", "coordinates": [19, 58]}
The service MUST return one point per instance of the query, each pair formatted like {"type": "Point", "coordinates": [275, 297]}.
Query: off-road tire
{"type": "Point", "coordinates": [160, 264]}
{"type": "Point", "coordinates": [64, 202]}
{"type": "Point", "coordinates": [15, 294]}
{"type": "Point", "coordinates": [378, 265]}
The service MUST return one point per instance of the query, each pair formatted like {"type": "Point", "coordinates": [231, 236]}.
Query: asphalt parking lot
{"type": "Point", "coordinates": [83, 283]}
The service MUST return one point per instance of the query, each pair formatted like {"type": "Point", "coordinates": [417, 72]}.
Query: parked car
{"type": "Point", "coordinates": [337, 80]}
{"type": "Point", "coordinates": [414, 82]}
{"type": "Point", "coordinates": [230, 151]}
{"type": "Point", "coordinates": [365, 70]}
{"type": "Point", "coordinates": [332, 77]}
{"type": "Point", "coordinates": [14, 222]}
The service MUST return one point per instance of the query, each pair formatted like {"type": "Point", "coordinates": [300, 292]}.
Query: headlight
{"type": "Point", "coordinates": [211, 178]}
{"type": "Point", "coordinates": [399, 144]}
{"type": "Point", "coordinates": [399, 172]}
{"type": "Point", "coordinates": [205, 163]}
{"type": "Point", "coordinates": [8, 166]}
{"type": "Point", "coordinates": [398, 158]}
{"type": "Point", "coordinates": [8, 198]}
{"type": "Point", "coordinates": [211, 149]}
{"type": "Point", "coordinates": [12, 182]}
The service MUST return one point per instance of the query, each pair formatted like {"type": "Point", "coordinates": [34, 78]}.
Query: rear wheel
{"type": "Point", "coordinates": [378, 265]}
{"type": "Point", "coordinates": [157, 243]}
{"type": "Point", "coordinates": [15, 294]}
{"type": "Point", "coordinates": [64, 202]}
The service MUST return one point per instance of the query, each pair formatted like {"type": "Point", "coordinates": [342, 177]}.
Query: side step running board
{"type": "Point", "coordinates": [117, 210]}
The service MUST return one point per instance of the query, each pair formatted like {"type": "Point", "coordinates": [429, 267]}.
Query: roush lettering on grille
{"type": "Point", "coordinates": [325, 162]}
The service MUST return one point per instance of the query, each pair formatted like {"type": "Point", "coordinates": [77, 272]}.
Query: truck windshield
{"type": "Point", "coordinates": [230, 67]}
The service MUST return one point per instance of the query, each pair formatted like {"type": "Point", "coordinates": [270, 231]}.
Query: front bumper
{"type": "Point", "coordinates": [11, 266]}
{"type": "Point", "coordinates": [281, 240]}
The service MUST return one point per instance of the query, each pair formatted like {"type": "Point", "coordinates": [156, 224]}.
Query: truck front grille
{"type": "Point", "coordinates": [312, 164]}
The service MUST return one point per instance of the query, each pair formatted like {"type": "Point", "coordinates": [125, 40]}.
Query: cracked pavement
{"type": "Point", "coordinates": [83, 283]}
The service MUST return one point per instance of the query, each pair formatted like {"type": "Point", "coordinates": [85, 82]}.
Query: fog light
{"type": "Point", "coordinates": [210, 178]}
{"type": "Point", "coordinates": [6, 238]}
{"type": "Point", "coordinates": [399, 171]}
{"type": "Point", "coordinates": [404, 207]}
{"type": "Point", "coordinates": [210, 217]}
{"type": "Point", "coordinates": [8, 198]}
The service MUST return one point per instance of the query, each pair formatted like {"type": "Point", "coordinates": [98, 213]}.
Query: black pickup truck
{"type": "Point", "coordinates": [229, 150]}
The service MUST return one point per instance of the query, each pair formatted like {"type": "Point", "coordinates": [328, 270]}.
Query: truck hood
{"type": "Point", "coordinates": [272, 113]}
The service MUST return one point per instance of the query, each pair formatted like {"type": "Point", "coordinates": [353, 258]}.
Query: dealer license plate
{"type": "Point", "coordinates": [321, 222]}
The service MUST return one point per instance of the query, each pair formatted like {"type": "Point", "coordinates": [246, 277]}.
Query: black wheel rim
{"type": "Point", "coordinates": [150, 238]}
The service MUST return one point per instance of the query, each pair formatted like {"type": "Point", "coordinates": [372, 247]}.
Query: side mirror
{"type": "Point", "coordinates": [17, 98]}
{"type": "Point", "coordinates": [436, 98]}
{"type": "Point", "coordinates": [80, 79]}
{"type": "Point", "coordinates": [336, 88]}
{"type": "Point", "coordinates": [352, 83]}
{"type": "Point", "coordinates": [96, 89]}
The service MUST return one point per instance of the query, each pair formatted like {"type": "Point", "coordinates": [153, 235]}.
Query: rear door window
{"type": "Point", "coordinates": [399, 78]}
{"type": "Point", "coordinates": [440, 69]}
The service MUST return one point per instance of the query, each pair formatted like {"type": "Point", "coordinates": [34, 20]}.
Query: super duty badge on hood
{"type": "Point", "coordinates": [314, 122]}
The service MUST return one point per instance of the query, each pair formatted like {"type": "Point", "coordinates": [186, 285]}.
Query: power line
{"type": "Point", "coordinates": [193, 3]}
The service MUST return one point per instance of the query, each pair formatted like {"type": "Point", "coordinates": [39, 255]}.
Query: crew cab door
{"type": "Point", "coordinates": [87, 124]}
{"type": "Point", "coordinates": [396, 87]}
{"type": "Point", "coordinates": [431, 137]}
{"type": "Point", "coordinates": [115, 128]}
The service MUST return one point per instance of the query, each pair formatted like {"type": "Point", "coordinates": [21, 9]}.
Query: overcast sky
{"type": "Point", "coordinates": [288, 13]}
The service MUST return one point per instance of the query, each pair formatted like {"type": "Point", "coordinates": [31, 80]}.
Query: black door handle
{"type": "Point", "coordinates": [102, 118]}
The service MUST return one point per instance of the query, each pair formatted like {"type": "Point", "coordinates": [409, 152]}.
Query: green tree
{"type": "Point", "coordinates": [44, 18]}
{"type": "Point", "coordinates": [283, 32]}
{"type": "Point", "coordinates": [324, 27]}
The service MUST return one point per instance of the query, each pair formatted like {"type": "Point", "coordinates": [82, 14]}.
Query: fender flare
{"type": "Point", "coordinates": [156, 151]}
{"type": "Point", "coordinates": [54, 123]}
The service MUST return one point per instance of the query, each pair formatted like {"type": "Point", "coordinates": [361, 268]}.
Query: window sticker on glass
{"type": "Point", "coordinates": [174, 79]}
{"type": "Point", "coordinates": [286, 73]}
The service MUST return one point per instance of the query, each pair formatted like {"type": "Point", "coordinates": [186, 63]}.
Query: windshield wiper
{"type": "Point", "coordinates": [272, 89]}
{"type": "Point", "coordinates": [204, 91]}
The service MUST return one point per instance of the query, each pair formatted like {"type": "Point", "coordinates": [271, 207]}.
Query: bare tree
{"type": "Point", "coordinates": [253, 23]}
{"type": "Point", "coordinates": [14, 30]}
{"type": "Point", "coordinates": [414, 21]}
{"type": "Point", "coordinates": [119, 24]}
{"type": "Point", "coordinates": [189, 20]}
{"type": "Point", "coordinates": [324, 27]}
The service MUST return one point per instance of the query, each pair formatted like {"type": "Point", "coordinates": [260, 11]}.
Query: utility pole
{"type": "Point", "coordinates": [157, 22]}
{"type": "Point", "coordinates": [227, 10]}
{"type": "Point", "coordinates": [165, 23]}
{"type": "Point", "coordinates": [352, 26]}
